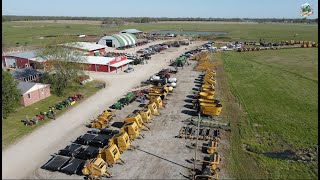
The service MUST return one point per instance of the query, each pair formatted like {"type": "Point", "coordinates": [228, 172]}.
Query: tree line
{"type": "Point", "coordinates": [121, 20]}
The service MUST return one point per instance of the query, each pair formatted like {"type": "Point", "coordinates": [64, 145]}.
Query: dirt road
{"type": "Point", "coordinates": [34, 150]}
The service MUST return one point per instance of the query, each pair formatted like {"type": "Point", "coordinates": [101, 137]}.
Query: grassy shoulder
{"type": "Point", "coordinates": [12, 127]}
{"type": "Point", "coordinates": [275, 105]}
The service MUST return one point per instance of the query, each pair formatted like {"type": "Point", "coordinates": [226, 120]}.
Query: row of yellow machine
{"type": "Point", "coordinates": [91, 153]}
{"type": "Point", "coordinates": [208, 106]}
{"type": "Point", "coordinates": [282, 45]}
{"type": "Point", "coordinates": [211, 165]}
{"type": "Point", "coordinates": [131, 130]}
{"type": "Point", "coordinates": [204, 99]}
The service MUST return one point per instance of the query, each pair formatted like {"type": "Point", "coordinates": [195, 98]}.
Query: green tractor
{"type": "Point", "coordinates": [129, 98]}
{"type": "Point", "coordinates": [180, 61]}
{"type": "Point", "coordinates": [59, 106]}
{"type": "Point", "coordinates": [118, 105]}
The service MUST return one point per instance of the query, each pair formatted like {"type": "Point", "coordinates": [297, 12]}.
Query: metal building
{"type": "Point", "coordinates": [118, 40]}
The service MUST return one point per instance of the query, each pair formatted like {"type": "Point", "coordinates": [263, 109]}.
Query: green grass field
{"type": "Point", "coordinates": [22, 32]}
{"type": "Point", "coordinates": [278, 91]}
{"type": "Point", "coordinates": [13, 128]}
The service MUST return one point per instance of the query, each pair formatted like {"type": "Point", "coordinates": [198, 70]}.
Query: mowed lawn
{"type": "Point", "coordinates": [30, 32]}
{"type": "Point", "coordinates": [278, 91]}
{"type": "Point", "coordinates": [13, 128]}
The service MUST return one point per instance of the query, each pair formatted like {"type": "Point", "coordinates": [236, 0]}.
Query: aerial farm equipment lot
{"type": "Point", "coordinates": [160, 155]}
{"type": "Point", "coordinates": [35, 149]}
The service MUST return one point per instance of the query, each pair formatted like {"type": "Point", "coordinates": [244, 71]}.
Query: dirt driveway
{"type": "Point", "coordinates": [30, 153]}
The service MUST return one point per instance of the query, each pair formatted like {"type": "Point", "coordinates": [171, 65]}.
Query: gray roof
{"type": "Point", "coordinates": [25, 54]}
{"type": "Point", "coordinates": [132, 31]}
{"type": "Point", "coordinates": [26, 72]}
{"type": "Point", "coordinates": [25, 86]}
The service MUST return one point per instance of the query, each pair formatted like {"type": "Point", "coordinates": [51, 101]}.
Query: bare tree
{"type": "Point", "coordinates": [64, 63]}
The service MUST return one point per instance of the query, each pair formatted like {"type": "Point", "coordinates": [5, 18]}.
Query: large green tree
{"type": "Point", "coordinates": [10, 94]}
{"type": "Point", "coordinates": [64, 63]}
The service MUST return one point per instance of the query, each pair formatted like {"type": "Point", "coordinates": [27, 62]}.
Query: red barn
{"type": "Point", "coordinates": [18, 60]}
{"type": "Point", "coordinates": [23, 60]}
{"type": "Point", "coordinates": [105, 64]}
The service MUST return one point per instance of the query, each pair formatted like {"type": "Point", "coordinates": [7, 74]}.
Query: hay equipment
{"type": "Point", "coordinates": [158, 101]}
{"type": "Point", "coordinates": [212, 147]}
{"type": "Point", "coordinates": [214, 162]}
{"type": "Point", "coordinates": [207, 134]}
{"type": "Point", "coordinates": [153, 108]}
{"type": "Point", "coordinates": [110, 154]}
{"type": "Point", "coordinates": [103, 120]}
{"type": "Point", "coordinates": [96, 168]}
{"type": "Point", "coordinates": [122, 141]}
{"type": "Point", "coordinates": [137, 119]}
{"type": "Point", "coordinates": [159, 91]}
{"type": "Point", "coordinates": [132, 130]}
{"type": "Point", "coordinates": [145, 115]}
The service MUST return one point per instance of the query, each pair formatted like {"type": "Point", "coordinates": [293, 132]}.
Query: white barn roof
{"type": "Point", "coordinates": [97, 60]}
{"type": "Point", "coordinates": [85, 46]}
{"type": "Point", "coordinates": [132, 31]}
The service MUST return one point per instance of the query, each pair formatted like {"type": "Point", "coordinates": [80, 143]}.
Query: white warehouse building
{"type": "Point", "coordinates": [118, 40]}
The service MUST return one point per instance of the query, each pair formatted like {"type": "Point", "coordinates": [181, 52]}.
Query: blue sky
{"type": "Point", "coordinates": [159, 8]}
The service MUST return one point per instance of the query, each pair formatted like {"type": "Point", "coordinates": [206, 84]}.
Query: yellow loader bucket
{"type": "Point", "coordinates": [207, 86]}
{"type": "Point", "coordinates": [205, 95]}
{"type": "Point", "coordinates": [211, 91]}
{"type": "Point", "coordinates": [210, 101]}
{"type": "Point", "coordinates": [210, 81]}
{"type": "Point", "coordinates": [211, 111]}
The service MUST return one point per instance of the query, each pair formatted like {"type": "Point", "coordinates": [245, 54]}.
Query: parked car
{"type": "Point", "coordinates": [130, 69]}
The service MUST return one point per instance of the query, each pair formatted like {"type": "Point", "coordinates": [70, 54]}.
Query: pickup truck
{"type": "Point", "coordinates": [130, 69]}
